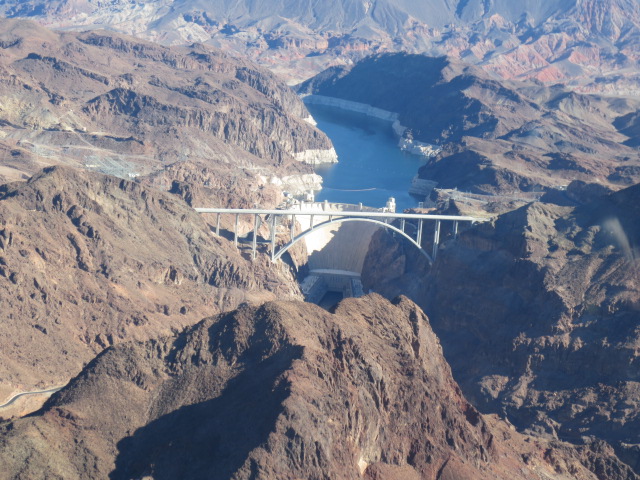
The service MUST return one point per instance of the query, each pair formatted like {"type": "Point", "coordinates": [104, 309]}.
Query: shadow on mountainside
{"type": "Point", "coordinates": [212, 439]}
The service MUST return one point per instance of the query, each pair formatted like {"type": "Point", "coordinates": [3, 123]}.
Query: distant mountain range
{"type": "Point", "coordinates": [590, 44]}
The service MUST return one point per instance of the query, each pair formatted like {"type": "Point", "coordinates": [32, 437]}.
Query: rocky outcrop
{"type": "Point", "coordinates": [418, 148]}
{"type": "Point", "coordinates": [88, 260]}
{"type": "Point", "coordinates": [201, 185]}
{"type": "Point", "coordinates": [298, 184]}
{"type": "Point", "coordinates": [127, 107]}
{"type": "Point", "coordinates": [538, 315]}
{"type": "Point", "coordinates": [316, 157]}
{"type": "Point", "coordinates": [284, 390]}
{"type": "Point", "coordinates": [394, 266]}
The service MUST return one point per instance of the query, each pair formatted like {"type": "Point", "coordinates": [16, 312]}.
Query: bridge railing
{"type": "Point", "coordinates": [336, 216]}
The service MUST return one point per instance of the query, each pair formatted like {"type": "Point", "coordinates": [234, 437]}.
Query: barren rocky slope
{"type": "Point", "coordinates": [127, 107]}
{"type": "Point", "coordinates": [591, 44]}
{"type": "Point", "coordinates": [87, 260]}
{"type": "Point", "coordinates": [539, 313]}
{"type": "Point", "coordinates": [496, 136]}
{"type": "Point", "coordinates": [284, 390]}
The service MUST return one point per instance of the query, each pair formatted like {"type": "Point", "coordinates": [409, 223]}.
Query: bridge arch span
{"type": "Point", "coordinates": [333, 221]}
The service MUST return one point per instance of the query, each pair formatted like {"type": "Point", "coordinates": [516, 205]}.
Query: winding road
{"type": "Point", "coordinates": [23, 394]}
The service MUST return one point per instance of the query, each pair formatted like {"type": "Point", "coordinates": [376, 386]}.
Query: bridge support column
{"type": "Point", "coordinates": [235, 231]}
{"type": "Point", "coordinates": [402, 224]}
{"type": "Point", "coordinates": [436, 238]}
{"type": "Point", "coordinates": [293, 227]}
{"type": "Point", "coordinates": [273, 237]}
{"type": "Point", "coordinates": [218, 225]}
{"type": "Point", "coordinates": [255, 236]}
{"type": "Point", "coordinates": [455, 229]}
{"type": "Point", "coordinates": [419, 234]}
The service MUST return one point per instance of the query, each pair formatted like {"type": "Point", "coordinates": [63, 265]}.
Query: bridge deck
{"type": "Point", "coordinates": [413, 216]}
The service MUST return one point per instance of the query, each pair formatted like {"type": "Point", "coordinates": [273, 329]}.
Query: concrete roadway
{"type": "Point", "coordinates": [37, 392]}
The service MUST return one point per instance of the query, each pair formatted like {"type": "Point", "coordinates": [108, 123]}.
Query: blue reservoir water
{"type": "Point", "coordinates": [371, 168]}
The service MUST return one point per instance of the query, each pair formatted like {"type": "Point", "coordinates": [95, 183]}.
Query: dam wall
{"type": "Point", "coordinates": [336, 252]}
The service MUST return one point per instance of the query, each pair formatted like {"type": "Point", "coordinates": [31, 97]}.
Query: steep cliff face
{"type": "Point", "coordinates": [497, 137]}
{"type": "Point", "coordinates": [284, 390]}
{"type": "Point", "coordinates": [88, 260]}
{"type": "Point", "coordinates": [538, 314]}
{"type": "Point", "coordinates": [202, 186]}
{"type": "Point", "coordinates": [123, 106]}
{"type": "Point", "coordinates": [437, 98]}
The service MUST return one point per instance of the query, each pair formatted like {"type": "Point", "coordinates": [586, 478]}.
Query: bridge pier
{"type": "Point", "coordinates": [436, 239]}
{"type": "Point", "coordinates": [235, 232]}
{"type": "Point", "coordinates": [254, 244]}
{"type": "Point", "coordinates": [273, 237]}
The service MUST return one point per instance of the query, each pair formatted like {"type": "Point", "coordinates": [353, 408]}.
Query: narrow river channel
{"type": "Point", "coordinates": [371, 168]}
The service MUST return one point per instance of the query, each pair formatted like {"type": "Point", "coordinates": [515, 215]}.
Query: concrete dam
{"type": "Point", "coordinates": [336, 252]}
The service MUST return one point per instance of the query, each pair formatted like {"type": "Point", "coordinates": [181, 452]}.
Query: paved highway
{"type": "Point", "coordinates": [23, 394]}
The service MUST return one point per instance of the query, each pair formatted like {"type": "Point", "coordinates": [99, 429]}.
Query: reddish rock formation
{"type": "Point", "coordinates": [516, 39]}
{"type": "Point", "coordinates": [284, 390]}
{"type": "Point", "coordinates": [88, 260]}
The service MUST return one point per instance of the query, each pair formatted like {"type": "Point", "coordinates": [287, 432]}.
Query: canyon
{"type": "Point", "coordinates": [492, 137]}
{"type": "Point", "coordinates": [513, 355]}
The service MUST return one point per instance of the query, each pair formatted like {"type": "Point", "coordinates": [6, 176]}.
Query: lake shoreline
{"type": "Point", "coordinates": [371, 167]}
{"type": "Point", "coordinates": [405, 143]}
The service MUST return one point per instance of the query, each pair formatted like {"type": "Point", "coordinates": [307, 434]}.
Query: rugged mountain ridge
{"type": "Point", "coordinates": [88, 260]}
{"type": "Point", "coordinates": [497, 137]}
{"type": "Point", "coordinates": [589, 44]}
{"type": "Point", "coordinates": [538, 314]}
{"type": "Point", "coordinates": [127, 107]}
{"type": "Point", "coordinates": [569, 324]}
{"type": "Point", "coordinates": [284, 390]}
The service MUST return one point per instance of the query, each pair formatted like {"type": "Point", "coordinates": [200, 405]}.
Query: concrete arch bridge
{"type": "Point", "coordinates": [408, 225]}
{"type": "Point", "coordinates": [337, 238]}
